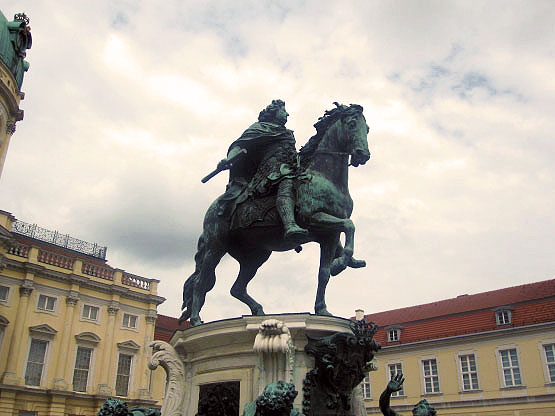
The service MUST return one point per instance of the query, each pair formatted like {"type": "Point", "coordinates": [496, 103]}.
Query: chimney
{"type": "Point", "coordinates": [359, 314]}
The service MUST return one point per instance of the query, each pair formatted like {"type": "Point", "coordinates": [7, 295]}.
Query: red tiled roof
{"type": "Point", "coordinates": [531, 304]}
{"type": "Point", "coordinates": [166, 326]}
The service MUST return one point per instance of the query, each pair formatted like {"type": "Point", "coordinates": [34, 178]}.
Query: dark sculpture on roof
{"type": "Point", "coordinates": [277, 200]}
{"type": "Point", "coordinates": [422, 408]}
{"type": "Point", "coordinates": [342, 360]}
{"type": "Point", "coordinates": [15, 39]}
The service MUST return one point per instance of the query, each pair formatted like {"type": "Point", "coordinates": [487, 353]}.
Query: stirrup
{"type": "Point", "coordinates": [295, 233]}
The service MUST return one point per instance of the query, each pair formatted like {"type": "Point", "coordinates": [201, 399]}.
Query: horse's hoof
{"type": "Point", "coordinates": [259, 311]}
{"type": "Point", "coordinates": [357, 264]}
{"type": "Point", "coordinates": [196, 322]}
{"type": "Point", "coordinates": [337, 267]}
{"type": "Point", "coordinates": [323, 312]}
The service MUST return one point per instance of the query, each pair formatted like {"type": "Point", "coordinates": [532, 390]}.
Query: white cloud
{"type": "Point", "coordinates": [128, 105]}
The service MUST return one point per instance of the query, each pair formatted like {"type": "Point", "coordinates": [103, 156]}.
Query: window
{"type": "Point", "coordinates": [431, 378]}
{"type": "Point", "coordinates": [503, 317]}
{"type": "Point", "coordinates": [469, 372]}
{"type": "Point", "coordinates": [366, 392]}
{"type": "Point", "coordinates": [123, 374]}
{"type": "Point", "coordinates": [90, 312]}
{"type": "Point", "coordinates": [511, 369]}
{"type": "Point", "coordinates": [394, 369]}
{"type": "Point", "coordinates": [393, 335]}
{"type": "Point", "coordinates": [81, 371]}
{"type": "Point", "coordinates": [129, 321]}
{"type": "Point", "coordinates": [4, 291]}
{"type": "Point", "coordinates": [26, 413]}
{"type": "Point", "coordinates": [550, 361]}
{"type": "Point", "coordinates": [46, 303]}
{"type": "Point", "coordinates": [35, 362]}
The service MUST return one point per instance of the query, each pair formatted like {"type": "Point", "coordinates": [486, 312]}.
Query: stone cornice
{"type": "Point", "coordinates": [84, 282]}
{"type": "Point", "coordinates": [457, 339]}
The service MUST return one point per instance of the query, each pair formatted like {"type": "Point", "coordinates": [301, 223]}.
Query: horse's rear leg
{"type": "Point", "coordinates": [327, 251]}
{"type": "Point", "coordinates": [249, 265]}
{"type": "Point", "coordinates": [205, 283]}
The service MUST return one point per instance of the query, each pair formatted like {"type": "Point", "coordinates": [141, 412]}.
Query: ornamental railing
{"type": "Point", "coordinates": [135, 281]}
{"type": "Point", "coordinates": [19, 250]}
{"type": "Point", "coordinates": [61, 240]}
{"type": "Point", "coordinates": [98, 271]}
{"type": "Point", "coordinates": [54, 259]}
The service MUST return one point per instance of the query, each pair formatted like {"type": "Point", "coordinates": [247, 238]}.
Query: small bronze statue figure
{"type": "Point", "coordinates": [422, 408]}
{"type": "Point", "coordinates": [276, 400]}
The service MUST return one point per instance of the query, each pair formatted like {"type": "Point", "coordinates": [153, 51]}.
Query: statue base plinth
{"type": "Point", "coordinates": [222, 352]}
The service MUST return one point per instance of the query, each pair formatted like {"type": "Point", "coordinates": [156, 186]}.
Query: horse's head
{"type": "Point", "coordinates": [357, 130]}
{"type": "Point", "coordinates": [341, 132]}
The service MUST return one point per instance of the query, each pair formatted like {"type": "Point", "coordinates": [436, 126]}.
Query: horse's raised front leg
{"type": "Point", "coordinates": [327, 250]}
{"type": "Point", "coordinates": [326, 222]}
{"type": "Point", "coordinates": [249, 265]}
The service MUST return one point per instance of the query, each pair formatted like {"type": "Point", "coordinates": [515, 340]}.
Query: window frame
{"type": "Point", "coordinates": [129, 376]}
{"type": "Point", "coordinates": [502, 384]}
{"type": "Point", "coordinates": [9, 292]}
{"type": "Point", "coordinates": [423, 376]}
{"type": "Point", "coordinates": [45, 360]}
{"type": "Point", "coordinates": [545, 363]}
{"type": "Point", "coordinates": [82, 316]}
{"type": "Point", "coordinates": [90, 369]}
{"type": "Point", "coordinates": [458, 359]}
{"type": "Point", "coordinates": [366, 386]}
{"type": "Point", "coordinates": [393, 335]}
{"type": "Point", "coordinates": [132, 328]}
{"type": "Point", "coordinates": [54, 311]}
{"type": "Point", "coordinates": [396, 394]}
{"type": "Point", "coordinates": [500, 313]}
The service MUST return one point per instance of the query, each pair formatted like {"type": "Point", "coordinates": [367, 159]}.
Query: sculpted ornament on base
{"type": "Point", "coordinates": [165, 355]}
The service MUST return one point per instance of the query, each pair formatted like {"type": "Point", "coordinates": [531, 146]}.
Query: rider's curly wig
{"type": "Point", "coordinates": [269, 112]}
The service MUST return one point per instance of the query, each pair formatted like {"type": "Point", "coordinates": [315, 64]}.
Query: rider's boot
{"type": "Point", "coordinates": [285, 204]}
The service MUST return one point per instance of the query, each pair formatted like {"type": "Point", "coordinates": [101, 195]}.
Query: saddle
{"type": "Point", "coordinates": [255, 212]}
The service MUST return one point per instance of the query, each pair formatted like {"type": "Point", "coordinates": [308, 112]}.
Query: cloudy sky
{"type": "Point", "coordinates": [129, 103]}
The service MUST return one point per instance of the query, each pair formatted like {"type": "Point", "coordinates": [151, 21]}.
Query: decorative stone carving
{"type": "Point", "coordinates": [113, 308]}
{"type": "Point", "coordinates": [10, 127]}
{"type": "Point", "coordinates": [117, 407]}
{"type": "Point", "coordinates": [72, 298]}
{"type": "Point", "coordinates": [26, 288]}
{"type": "Point", "coordinates": [276, 400]}
{"type": "Point", "coordinates": [151, 317]}
{"type": "Point", "coordinates": [342, 361]}
{"type": "Point", "coordinates": [166, 356]}
{"type": "Point", "coordinates": [276, 352]}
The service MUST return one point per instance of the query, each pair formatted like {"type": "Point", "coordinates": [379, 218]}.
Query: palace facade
{"type": "Point", "coordinates": [490, 353]}
{"type": "Point", "coordinates": [73, 329]}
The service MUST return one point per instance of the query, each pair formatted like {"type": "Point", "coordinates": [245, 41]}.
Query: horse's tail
{"type": "Point", "coordinates": [190, 283]}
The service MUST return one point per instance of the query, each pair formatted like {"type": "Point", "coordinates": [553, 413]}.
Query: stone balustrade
{"type": "Point", "coordinates": [98, 271]}
{"type": "Point", "coordinates": [55, 259]}
{"type": "Point", "coordinates": [133, 280]}
{"type": "Point", "coordinates": [19, 250]}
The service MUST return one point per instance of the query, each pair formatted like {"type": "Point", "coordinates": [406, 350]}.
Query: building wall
{"type": "Point", "coordinates": [28, 273]}
{"type": "Point", "coordinates": [534, 396]}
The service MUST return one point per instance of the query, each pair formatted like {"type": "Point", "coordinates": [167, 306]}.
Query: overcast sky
{"type": "Point", "coordinates": [129, 103]}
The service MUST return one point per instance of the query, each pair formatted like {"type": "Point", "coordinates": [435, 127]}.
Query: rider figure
{"type": "Point", "coordinates": [270, 160]}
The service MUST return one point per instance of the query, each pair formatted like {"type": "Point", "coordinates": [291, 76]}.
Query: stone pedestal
{"type": "Point", "coordinates": [223, 352]}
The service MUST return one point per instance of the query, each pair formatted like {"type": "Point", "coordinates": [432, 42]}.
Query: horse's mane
{"type": "Point", "coordinates": [330, 116]}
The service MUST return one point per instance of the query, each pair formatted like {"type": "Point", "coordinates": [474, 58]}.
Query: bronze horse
{"type": "Point", "coordinates": [323, 208]}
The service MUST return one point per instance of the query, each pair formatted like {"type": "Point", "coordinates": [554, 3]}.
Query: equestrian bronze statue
{"type": "Point", "coordinates": [277, 200]}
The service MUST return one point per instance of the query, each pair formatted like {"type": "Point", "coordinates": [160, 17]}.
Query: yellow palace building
{"type": "Point", "coordinates": [490, 353]}
{"type": "Point", "coordinates": [73, 330]}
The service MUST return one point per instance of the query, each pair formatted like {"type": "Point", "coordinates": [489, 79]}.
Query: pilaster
{"type": "Point", "coordinates": [10, 376]}
{"type": "Point", "coordinates": [104, 387]}
{"type": "Point", "coordinates": [59, 382]}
